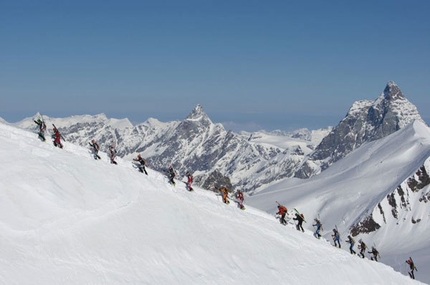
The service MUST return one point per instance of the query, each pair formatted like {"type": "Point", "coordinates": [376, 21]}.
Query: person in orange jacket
{"type": "Point", "coordinates": [224, 192]}
{"type": "Point", "coordinates": [282, 211]}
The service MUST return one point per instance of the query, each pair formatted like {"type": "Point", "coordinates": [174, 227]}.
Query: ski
{"type": "Point", "coordinates": [295, 210]}
{"type": "Point", "coordinates": [59, 133]}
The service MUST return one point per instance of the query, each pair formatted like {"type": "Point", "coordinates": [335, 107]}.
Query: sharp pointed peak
{"type": "Point", "coordinates": [391, 83]}
{"type": "Point", "coordinates": [198, 109]}
{"type": "Point", "coordinates": [197, 113]}
{"type": "Point", "coordinates": [392, 91]}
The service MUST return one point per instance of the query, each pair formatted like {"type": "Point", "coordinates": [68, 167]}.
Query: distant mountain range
{"type": "Point", "coordinates": [248, 161]}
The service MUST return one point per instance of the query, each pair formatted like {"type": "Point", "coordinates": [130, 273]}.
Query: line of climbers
{"type": "Point", "coordinates": [140, 164]}
{"type": "Point", "coordinates": [57, 137]}
{"type": "Point", "coordinates": [238, 195]}
{"type": "Point", "coordinates": [300, 218]}
{"type": "Point", "coordinates": [282, 210]}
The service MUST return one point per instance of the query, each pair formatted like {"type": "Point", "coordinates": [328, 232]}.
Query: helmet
{"type": "Point", "coordinates": [138, 155]}
{"type": "Point", "coordinates": [92, 140]}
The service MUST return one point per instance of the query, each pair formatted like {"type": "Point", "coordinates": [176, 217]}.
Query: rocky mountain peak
{"type": "Point", "coordinates": [197, 120]}
{"type": "Point", "coordinates": [366, 121]}
{"type": "Point", "coordinates": [392, 92]}
{"type": "Point", "coordinates": [197, 113]}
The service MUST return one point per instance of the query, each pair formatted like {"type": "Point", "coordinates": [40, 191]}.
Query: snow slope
{"type": "Point", "coordinates": [68, 219]}
{"type": "Point", "coordinates": [353, 187]}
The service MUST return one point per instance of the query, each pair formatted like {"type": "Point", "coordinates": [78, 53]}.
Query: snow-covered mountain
{"type": "Point", "coordinates": [378, 192]}
{"type": "Point", "coordinates": [66, 218]}
{"type": "Point", "coordinates": [366, 121]}
{"type": "Point", "coordinates": [250, 161]}
{"type": "Point", "coordinates": [196, 144]}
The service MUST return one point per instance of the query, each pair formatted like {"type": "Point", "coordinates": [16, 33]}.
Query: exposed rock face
{"type": "Point", "coordinates": [367, 225]}
{"type": "Point", "coordinates": [413, 192]}
{"type": "Point", "coordinates": [215, 179]}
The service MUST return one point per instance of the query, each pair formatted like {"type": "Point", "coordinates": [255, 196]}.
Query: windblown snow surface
{"type": "Point", "coordinates": [352, 188]}
{"type": "Point", "coordinates": [66, 218]}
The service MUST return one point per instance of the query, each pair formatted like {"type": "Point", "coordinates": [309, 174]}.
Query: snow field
{"type": "Point", "coordinates": [68, 219]}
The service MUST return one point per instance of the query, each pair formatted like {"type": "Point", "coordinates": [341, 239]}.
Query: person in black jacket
{"type": "Point", "coordinates": [95, 147]}
{"type": "Point", "coordinates": [112, 153]}
{"type": "Point", "coordinates": [411, 267]}
{"type": "Point", "coordinates": [375, 254]}
{"type": "Point", "coordinates": [171, 174]}
{"type": "Point", "coordinates": [299, 218]}
{"type": "Point", "coordinates": [140, 159]}
{"type": "Point", "coordinates": [42, 128]}
{"type": "Point", "coordinates": [362, 246]}
{"type": "Point", "coordinates": [351, 242]}
{"type": "Point", "coordinates": [336, 238]}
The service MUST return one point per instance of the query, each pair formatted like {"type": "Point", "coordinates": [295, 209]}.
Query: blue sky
{"type": "Point", "coordinates": [250, 64]}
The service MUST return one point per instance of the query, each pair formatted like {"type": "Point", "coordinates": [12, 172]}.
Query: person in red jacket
{"type": "Point", "coordinates": [412, 267]}
{"type": "Point", "coordinates": [282, 211]}
{"type": "Point", "coordinates": [57, 137]}
{"type": "Point", "coordinates": [189, 181]}
{"type": "Point", "coordinates": [240, 199]}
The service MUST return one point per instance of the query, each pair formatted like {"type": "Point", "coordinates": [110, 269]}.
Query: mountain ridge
{"type": "Point", "coordinates": [217, 156]}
